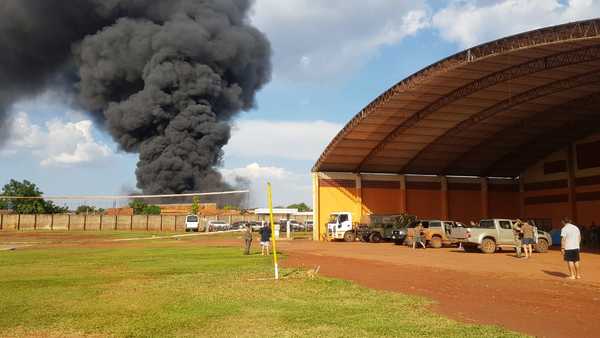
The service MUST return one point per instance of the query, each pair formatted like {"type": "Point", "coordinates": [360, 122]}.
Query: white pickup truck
{"type": "Point", "coordinates": [493, 234]}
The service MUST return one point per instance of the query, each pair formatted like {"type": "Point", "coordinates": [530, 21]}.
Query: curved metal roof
{"type": "Point", "coordinates": [491, 110]}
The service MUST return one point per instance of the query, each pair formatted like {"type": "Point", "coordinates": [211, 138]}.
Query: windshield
{"type": "Point", "coordinates": [192, 218]}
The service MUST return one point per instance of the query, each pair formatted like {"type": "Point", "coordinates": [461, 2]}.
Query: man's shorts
{"type": "Point", "coordinates": [527, 241]}
{"type": "Point", "coordinates": [265, 244]}
{"type": "Point", "coordinates": [572, 255]}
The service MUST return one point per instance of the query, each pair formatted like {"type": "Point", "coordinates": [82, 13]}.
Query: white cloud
{"type": "Point", "coordinates": [288, 187]}
{"type": "Point", "coordinates": [59, 143]}
{"type": "Point", "coordinates": [323, 39]}
{"type": "Point", "coordinates": [470, 22]}
{"type": "Point", "coordinates": [281, 139]}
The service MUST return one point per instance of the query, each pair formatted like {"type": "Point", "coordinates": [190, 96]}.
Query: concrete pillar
{"type": "Point", "coordinates": [571, 183]}
{"type": "Point", "coordinates": [403, 195]}
{"type": "Point", "coordinates": [444, 197]}
{"type": "Point", "coordinates": [316, 218]}
{"type": "Point", "coordinates": [359, 204]}
{"type": "Point", "coordinates": [484, 198]}
{"type": "Point", "coordinates": [521, 198]}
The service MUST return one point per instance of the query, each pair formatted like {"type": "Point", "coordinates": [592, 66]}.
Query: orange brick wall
{"type": "Point", "coordinates": [464, 205]}
{"type": "Point", "coordinates": [424, 203]}
{"type": "Point", "coordinates": [381, 200]}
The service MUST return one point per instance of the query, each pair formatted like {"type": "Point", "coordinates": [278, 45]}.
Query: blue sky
{"type": "Point", "coordinates": [331, 58]}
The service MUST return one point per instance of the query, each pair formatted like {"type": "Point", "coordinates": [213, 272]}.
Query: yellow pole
{"type": "Point", "coordinates": [270, 199]}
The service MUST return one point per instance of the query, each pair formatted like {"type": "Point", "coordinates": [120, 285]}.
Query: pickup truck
{"type": "Point", "coordinates": [493, 234]}
{"type": "Point", "coordinates": [436, 232]}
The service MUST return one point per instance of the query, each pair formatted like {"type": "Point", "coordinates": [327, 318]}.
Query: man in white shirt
{"type": "Point", "coordinates": [570, 238]}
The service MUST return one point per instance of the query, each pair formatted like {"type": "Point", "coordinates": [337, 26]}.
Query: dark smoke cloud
{"type": "Point", "coordinates": [164, 77]}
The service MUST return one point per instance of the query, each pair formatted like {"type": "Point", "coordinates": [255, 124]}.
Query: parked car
{"type": "Point", "coordinates": [216, 225]}
{"type": "Point", "coordinates": [493, 234]}
{"type": "Point", "coordinates": [309, 225]}
{"type": "Point", "coordinates": [256, 225]}
{"type": "Point", "coordinates": [191, 223]}
{"type": "Point", "coordinates": [437, 233]}
{"type": "Point", "coordinates": [238, 225]}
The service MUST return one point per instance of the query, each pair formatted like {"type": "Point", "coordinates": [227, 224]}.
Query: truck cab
{"type": "Point", "coordinates": [340, 226]}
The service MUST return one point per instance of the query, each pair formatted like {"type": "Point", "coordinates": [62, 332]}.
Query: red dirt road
{"type": "Point", "coordinates": [530, 296]}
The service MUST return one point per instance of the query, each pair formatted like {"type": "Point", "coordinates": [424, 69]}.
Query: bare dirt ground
{"type": "Point", "coordinates": [530, 296]}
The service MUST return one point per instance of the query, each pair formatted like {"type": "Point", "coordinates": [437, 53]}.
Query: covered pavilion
{"type": "Point", "coordinates": [509, 128]}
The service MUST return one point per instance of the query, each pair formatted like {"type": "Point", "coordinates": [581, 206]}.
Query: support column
{"type": "Point", "coordinates": [316, 220]}
{"type": "Point", "coordinates": [521, 198]}
{"type": "Point", "coordinates": [403, 194]}
{"type": "Point", "coordinates": [571, 183]}
{"type": "Point", "coordinates": [484, 198]}
{"type": "Point", "coordinates": [358, 185]}
{"type": "Point", "coordinates": [444, 197]}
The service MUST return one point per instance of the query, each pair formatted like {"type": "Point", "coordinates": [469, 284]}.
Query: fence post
{"type": "Point", "coordinates": [18, 222]}
{"type": "Point", "coordinates": [131, 223]}
{"type": "Point", "coordinates": [1, 221]}
{"type": "Point", "coordinates": [161, 221]}
{"type": "Point", "coordinates": [51, 222]}
{"type": "Point", "coordinates": [100, 222]}
{"type": "Point", "coordinates": [84, 222]}
{"type": "Point", "coordinates": [68, 222]}
{"type": "Point", "coordinates": [147, 222]}
{"type": "Point", "coordinates": [34, 222]}
{"type": "Point", "coordinates": [116, 221]}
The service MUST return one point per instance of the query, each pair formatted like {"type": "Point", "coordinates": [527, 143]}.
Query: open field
{"type": "Point", "coordinates": [194, 286]}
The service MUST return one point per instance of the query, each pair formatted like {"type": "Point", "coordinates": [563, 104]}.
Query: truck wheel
{"type": "Point", "coordinates": [488, 246]}
{"type": "Point", "coordinates": [349, 236]}
{"type": "Point", "coordinates": [436, 242]}
{"type": "Point", "coordinates": [375, 237]}
{"type": "Point", "coordinates": [364, 238]}
{"type": "Point", "coordinates": [541, 246]}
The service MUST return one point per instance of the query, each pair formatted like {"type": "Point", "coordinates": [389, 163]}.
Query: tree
{"type": "Point", "coordinates": [230, 207]}
{"type": "Point", "coordinates": [151, 210]}
{"type": "Point", "coordinates": [27, 206]}
{"type": "Point", "coordinates": [86, 209]}
{"type": "Point", "coordinates": [141, 208]}
{"type": "Point", "coordinates": [302, 207]}
{"type": "Point", "coordinates": [137, 206]}
{"type": "Point", "coordinates": [195, 205]}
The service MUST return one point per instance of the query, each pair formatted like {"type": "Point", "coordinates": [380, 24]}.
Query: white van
{"type": "Point", "coordinates": [191, 223]}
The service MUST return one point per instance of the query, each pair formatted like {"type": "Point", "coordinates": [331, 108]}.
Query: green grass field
{"type": "Point", "coordinates": [176, 289]}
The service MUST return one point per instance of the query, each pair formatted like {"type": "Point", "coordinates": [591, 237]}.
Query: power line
{"type": "Point", "coordinates": [121, 197]}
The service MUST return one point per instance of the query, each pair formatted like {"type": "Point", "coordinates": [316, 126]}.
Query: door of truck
{"type": "Point", "coordinates": [344, 223]}
{"type": "Point", "coordinates": [505, 229]}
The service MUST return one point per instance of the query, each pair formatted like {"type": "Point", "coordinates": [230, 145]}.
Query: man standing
{"type": "Point", "coordinates": [418, 235]}
{"type": "Point", "coordinates": [265, 239]}
{"type": "Point", "coordinates": [518, 233]}
{"type": "Point", "coordinates": [528, 238]}
{"type": "Point", "coordinates": [247, 239]}
{"type": "Point", "coordinates": [570, 240]}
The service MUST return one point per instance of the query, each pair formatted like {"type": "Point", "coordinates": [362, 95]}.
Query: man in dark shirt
{"type": "Point", "coordinates": [265, 238]}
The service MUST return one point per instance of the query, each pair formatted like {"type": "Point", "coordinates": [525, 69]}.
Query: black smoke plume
{"type": "Point", "coordinates": [164, 77]}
